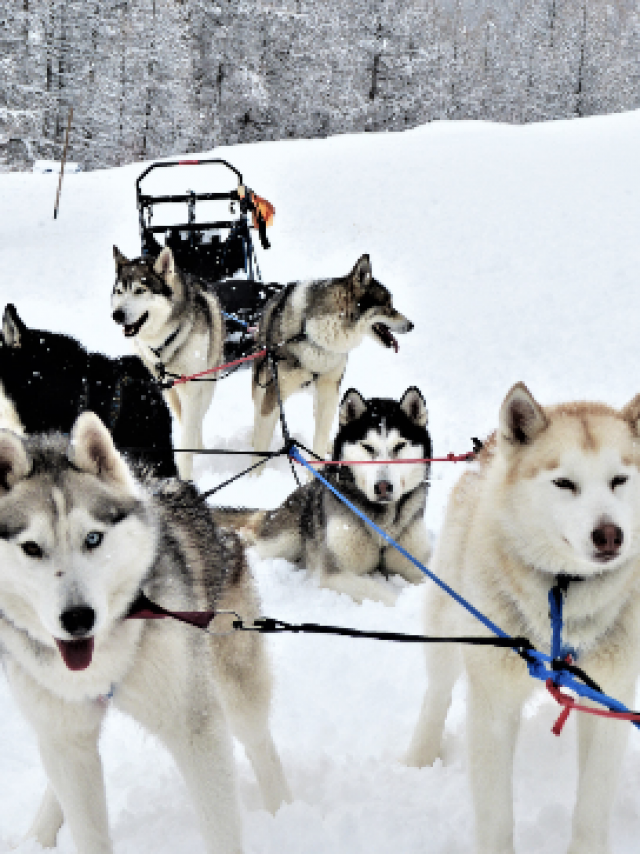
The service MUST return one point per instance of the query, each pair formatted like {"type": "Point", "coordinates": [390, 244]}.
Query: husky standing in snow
{"type": "Point", "coordinates": [315, 529]}
{"type": "Point", "coordinates": [556, 494]}
{"type": "Point", "coordinates": [176, 325]}
{"type": "Point", "coordinates": [80, 540]}
{"type": "Point", "coordinates": [311, 327]}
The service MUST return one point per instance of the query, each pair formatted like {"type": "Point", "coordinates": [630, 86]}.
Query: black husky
{"type": "Point", "coordinates": [47, 379]}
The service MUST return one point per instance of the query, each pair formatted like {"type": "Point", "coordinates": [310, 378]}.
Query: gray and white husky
{"type": "Point", "coordinates": [176, 325]}
{"type": "Point", "coordinates": [79, 540]}
{"type": "Point", "coordinates": [314, 529]}
{"type": "Point", "coordinates": [311, 327]}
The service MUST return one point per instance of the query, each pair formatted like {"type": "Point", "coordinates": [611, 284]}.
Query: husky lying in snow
{"type": "Point", "coordinates": [556, 492]}
{"type": "Point", "coordinates": [79, 538]}
{"type": "Point", "coordinates": [316, 530]}
{"type": "Point", "coordinates": [312, 326]}
{"type": "Point", "coordinates": [48, 379]}
{"type": "Point", "coordinates": [175, 324]}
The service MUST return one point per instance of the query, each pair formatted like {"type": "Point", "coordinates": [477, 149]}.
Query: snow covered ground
{"type": "Point", "coordinates": [515, 251]}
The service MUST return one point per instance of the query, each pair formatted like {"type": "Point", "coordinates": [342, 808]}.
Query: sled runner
{"type": "Point", "coordinates": [220, 252]}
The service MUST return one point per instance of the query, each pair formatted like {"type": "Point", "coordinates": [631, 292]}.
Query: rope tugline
{"type": "Point", "coordinates": [556, 670]}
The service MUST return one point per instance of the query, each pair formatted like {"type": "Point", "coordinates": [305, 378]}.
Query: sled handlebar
{"type": "Point", "coordinates": [194, 162]}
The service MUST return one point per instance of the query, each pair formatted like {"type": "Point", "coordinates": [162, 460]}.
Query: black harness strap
{"type": "Point", "coordinates": [158, 350]}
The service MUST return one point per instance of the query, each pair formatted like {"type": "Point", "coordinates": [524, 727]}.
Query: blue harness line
{"type": "Point", "coordinates": [236, 319]}
{"type": "Point", "coordinates": [552, 668]}
{"type": "Point", "coordinates": [297, 456]}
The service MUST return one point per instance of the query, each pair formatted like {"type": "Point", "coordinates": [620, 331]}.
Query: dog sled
{"type": "Point", "coordinates": [220, 250]}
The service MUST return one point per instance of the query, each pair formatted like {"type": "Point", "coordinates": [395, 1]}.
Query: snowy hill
{"type": "Point", "coordinates": [515, 252]}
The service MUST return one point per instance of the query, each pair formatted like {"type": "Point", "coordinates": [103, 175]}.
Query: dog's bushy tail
{"type": "Point", "coordinates": [247, 523]}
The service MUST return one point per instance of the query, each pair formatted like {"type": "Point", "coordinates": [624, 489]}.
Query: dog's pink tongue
{"type": "Point", "coordinates": [76, 654]}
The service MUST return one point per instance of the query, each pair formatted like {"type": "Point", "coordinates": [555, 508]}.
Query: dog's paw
{"type": "Point", "coordinates": [422, 756]}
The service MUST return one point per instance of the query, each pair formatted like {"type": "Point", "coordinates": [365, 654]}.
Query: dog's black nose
{"type": "Point", "coordinates": [607, 539]}
{"type": "Point", "coordinates": [383, 489]}
{"type": "Point", "coordinates": [118, 315]}
{"type": "Point", "coordinates": [410, 326]}
{"type": "Point", "coordinates": [78, 621]}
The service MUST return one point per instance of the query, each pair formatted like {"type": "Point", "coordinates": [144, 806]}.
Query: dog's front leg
{"type": "Point", "coordinates": [496, 695]}
{"type": "Point", "coordinates": [48, 820]}
{"type": "Point", "coordinates": [68, 740]}
{"type": "Point", "coordinates": [325, 407]}
{"type": "Point", "coordinates": [200, 742]}
{"type": "Point", "coordinates": [414, 540]}
{"type": "Point", "coordinates": [74, 770]}
{"type": "Point", "coordinates": [194, 401]}
{"type": "Point", "coordinates": [601, 745]}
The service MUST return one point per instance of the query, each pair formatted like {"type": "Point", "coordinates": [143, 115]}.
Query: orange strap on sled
{"type": "Point", "coordinates": [263, 208]}
{"type": "Point", "coordinates": [260, 208]}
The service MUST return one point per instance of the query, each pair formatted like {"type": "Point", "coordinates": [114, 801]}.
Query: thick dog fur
{"type": "Point", "coordinates": [176, 324]}
{"type": "Point", "coordinates": [556, 492]}
{"type": "Point", "coordinates": [79, 538]}
{"type": "Point", "coordinates": [316, 530]}
{"type": "Point", "coordinates": [312, 326]}
{"type": "Point", "coordinates": [47, 379]}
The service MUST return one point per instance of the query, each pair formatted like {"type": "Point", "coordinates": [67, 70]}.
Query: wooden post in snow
{"type": "Point", "coordinates": [64, 160]}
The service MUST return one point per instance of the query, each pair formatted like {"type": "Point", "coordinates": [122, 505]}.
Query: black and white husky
{"type": "Point", "coordinates": [47, 379]}
{"type": "Point", "coordinates": [316, 530]}
{"type": "Point", "coordinates": [177, 326]}
{"type": "Point", "coordinates": [79, 540]}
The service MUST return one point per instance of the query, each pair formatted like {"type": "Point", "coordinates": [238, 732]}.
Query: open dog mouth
{"type": "Point", "coordinates": [76, 654]}
{"type": "Point", "coordinates": [133, 328]}
{"type": "Point", "coordinates": [383, 334]}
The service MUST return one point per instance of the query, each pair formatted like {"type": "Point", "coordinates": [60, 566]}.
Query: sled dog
{"type": "Point", "coordinates": [176, 326]}
{"type": "Point", "coordinates": [314, 529]}
{"type": "Point", "coordinates": [79, 540]}
{"type": "Point", "coordinates": [47, 379]}
{"type": "Point", "coordinates": [311, 327]}
{"type": "Point", "coordinates": [556, 493]}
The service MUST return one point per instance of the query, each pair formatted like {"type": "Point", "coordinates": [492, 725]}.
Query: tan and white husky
{"type": "Point", "coordinates": [556, 492]}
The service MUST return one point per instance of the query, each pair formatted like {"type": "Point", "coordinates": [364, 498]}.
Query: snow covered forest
{"type": "Point", "coordinates": [150, 77]}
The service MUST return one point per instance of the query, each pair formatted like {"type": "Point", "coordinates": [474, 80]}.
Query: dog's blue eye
{"type": "Point", "coordinates": [93, 539]}
{"type": "Point", "coordinates": [32, 549]}
{"type": "Point", "coordinates": [565, 483]}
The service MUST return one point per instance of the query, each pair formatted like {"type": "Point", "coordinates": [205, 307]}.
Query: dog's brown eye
{"type": "Point", "coordinates": [565, 483]}
{"type": "Point", "coordinates": [369, 449]}
{"type": "Point", "coordinates": [618, 480]}
{"type": "Point", "coordinates": [32, 549]}
{"type": "Point", "coordinates": [397, 448]}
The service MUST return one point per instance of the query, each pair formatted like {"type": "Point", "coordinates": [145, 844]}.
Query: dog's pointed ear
{"type": "Point", "coordinates": [521, 416]}
{"type": "Point", "coordinates": [13, 328]}
{"type": "Point", "coordinates": [361, 274]}
{"type": "Point", "coordinates": [93, 451]}
{"type": "Point", "coordinates": [120, 259]}
{"type": "Point", "coordinates": [14, 460]}
{"type": "Point", "coordinates": [631, 413]}
{"type": "Point", "coordinates": [414, 406]}
{"type": "Point", "coordinates": [165, 265]}
{"type": "Point", "coordinates": [352, 407]}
